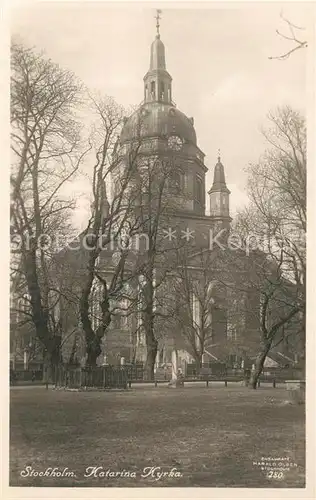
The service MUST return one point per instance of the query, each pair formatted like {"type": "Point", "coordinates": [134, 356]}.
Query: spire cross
{"type": "Point", "coordinates": [219, 154]}
{"type": "Point", "coordinates": [157, 17]}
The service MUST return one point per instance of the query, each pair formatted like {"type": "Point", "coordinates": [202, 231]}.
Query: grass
{"type": "Point", "coordinates": [210, 435]}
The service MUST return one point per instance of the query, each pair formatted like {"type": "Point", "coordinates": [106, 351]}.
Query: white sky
{"type": "Point", "coordinates": [217, 56]}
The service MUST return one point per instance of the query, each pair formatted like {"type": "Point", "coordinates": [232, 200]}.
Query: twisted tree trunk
{"type": "Point", "coordinates": [259, 363]}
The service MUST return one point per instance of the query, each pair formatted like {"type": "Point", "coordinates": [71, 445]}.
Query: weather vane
{"type": "Point", "coordinates": [157, 17]}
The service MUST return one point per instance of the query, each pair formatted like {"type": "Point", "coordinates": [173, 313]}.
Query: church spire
{"type": "Point", "coordinates": [157, 81]}
{"type": "Point", "coordinates": [219, 193]}
{"type": "Point", "coordinates": [219, 183]}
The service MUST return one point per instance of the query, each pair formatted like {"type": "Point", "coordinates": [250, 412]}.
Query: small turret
{"type": "Point", "coordinates": [219, 195]}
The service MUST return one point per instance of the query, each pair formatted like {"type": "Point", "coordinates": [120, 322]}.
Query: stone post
{"type": "Point", "coordinates": [26, 359]}
{"type": "Point", "coordinates": [174, 367]}
{"type": "Point", "coordinates": [157, 358]}
{"type": "Point", "coordinates": [185, 368]}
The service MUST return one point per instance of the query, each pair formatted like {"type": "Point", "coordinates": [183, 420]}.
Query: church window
{"type": "Point", "coordinates": [162, 90]}
{"type": "Point", "coordinates": [199, 189]}
{"type": "Point", "coordinates": [178, 181]}
{"type": "Point", "coordinates": [152, 89]}
{"type": "Point", "coordinates": [146, 91]}
{"type": "Point", "coordinates": [23, 306]}
{"type": "Point", "coordinates": [95, 309]}
{"type": "Point", "coordinates": [231, 332]}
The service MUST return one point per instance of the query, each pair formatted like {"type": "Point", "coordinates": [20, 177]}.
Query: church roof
{"type": "Point", "coordinates": [157, 55]}
{"type": "Point", "coordinates": [158, 119]}
{"type": "Point", "coordinates": [158, 115]}
{"type": "Point", "coordinates": [219, 182]}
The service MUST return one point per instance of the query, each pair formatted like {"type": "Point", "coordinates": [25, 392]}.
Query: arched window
{"type": "Point", "coordinates": [140, 304]}
{"type": "Point", "coordinates": [199, 189]}
{"type": "Point", "coordinates": [177, 181]}
{"type": "Point", "coordinates": [95, 304]}
{"type": "Point", "coordinates": [152, 89]}
{"type": "Point", "coordinates": [162, 91]}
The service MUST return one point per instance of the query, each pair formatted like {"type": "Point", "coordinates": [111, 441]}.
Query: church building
{"type": "Point", "coordinates": [206, 308]}
{"type": "Point", "coordinates": [218, 325]}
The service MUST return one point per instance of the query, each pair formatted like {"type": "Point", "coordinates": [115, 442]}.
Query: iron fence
{"type": "Point", "coordinates": [109, 376]}
{"type": "Point", "coordinates": [102, 377]}
{"type": "Point", "coordinates": [17, 376]}
{"type": "Point", "coordinates": [210, 368]}
{"type": "Point", "coordinates": [282, 373]}
{"type": "Point", "coordinates": [221, 370]}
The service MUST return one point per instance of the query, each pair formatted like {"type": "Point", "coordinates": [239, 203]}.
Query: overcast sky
{"type": "Point", "coordinates": [217, 56]}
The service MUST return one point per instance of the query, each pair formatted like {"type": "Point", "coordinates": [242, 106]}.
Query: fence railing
{"type": "Point", "coordinates": [109, 376]}
{"type": "Point", "coordinates": [192, 370]}
{"type": "Point", "coordinates": [26, 376]}
{"type": "Point", "coordinates": [222, 370]}
{"type": "Point", "coordinates": [103, 377]}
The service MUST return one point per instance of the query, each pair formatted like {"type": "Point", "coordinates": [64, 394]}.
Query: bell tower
{"type": "Point", "coordinates": [219, 197]}
{"type": "Point", "coordinates": [157, 81]}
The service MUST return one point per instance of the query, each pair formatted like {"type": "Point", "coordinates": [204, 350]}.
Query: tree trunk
{"type": "Point", "coordinates": [94, 336]}
{"type": "Point", "coordinates": [51, 341]}
{"type": "Point", "coordinates": [148, 323]}
{"type": "Point", "coordinates": [52, 359]}
{"type": "Point", "coordinates": [152, 349]}
{"type": "Point", "coordinates": [71, 360]}
{"type": "Point", "coordinates": [260, 359]}
{"type": "Point", "coordinates": [93, 351]}
{"type": "Point", "coordinates": [198, 363]}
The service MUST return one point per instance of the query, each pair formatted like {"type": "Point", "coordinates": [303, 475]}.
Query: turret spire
{"type": "Point", "coordinates": [219, 194]}
{"type": "Point", "coordinates": [157, 80]}
{"type": "Point", "coordinates": [219, 183]}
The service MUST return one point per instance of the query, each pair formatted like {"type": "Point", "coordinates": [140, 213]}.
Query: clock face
{"type": "Point", "coordinates": [175, 143]}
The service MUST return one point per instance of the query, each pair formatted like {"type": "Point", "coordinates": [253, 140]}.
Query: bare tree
{"type": "Point", "coordinates": [193, 301]}
{"type": "Point", "coordinates": [130, 188]}
{"type": "Point", "coordinates": [46, 155]}
{"type": "Point", "coordinates": [160, 195]}
{"type": "Point", "coordinates": [292, 37]}
{"type": "Point", "coordinates": [113, 221]}
{"type": "Point", "coordinates": [274, 226]}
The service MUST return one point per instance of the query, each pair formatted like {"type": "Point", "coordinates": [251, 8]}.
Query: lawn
{"type": "Point", "coordinates": [210, 436]}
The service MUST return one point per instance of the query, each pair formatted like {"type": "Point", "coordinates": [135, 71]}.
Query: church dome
{"type": "Point", "coordinates": [158, 119]}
